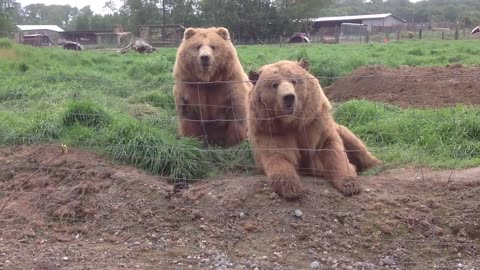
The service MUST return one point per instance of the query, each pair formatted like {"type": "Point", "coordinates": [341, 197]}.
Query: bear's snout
{"type": "Point", "coordinates": [205, 60]}
{"type": "Point", "coordinates": [289, 102]}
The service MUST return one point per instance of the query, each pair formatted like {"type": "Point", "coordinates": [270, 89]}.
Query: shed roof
{"type": "Point", "coordinates": [54, 28]}
{"type": "Point", "coordinates": [357, 17]}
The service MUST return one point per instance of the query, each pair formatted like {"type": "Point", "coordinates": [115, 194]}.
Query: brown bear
{"type": "Point", "coordinates": [211, 88]}
{"type": "Point", "coordinates": [292, 132]}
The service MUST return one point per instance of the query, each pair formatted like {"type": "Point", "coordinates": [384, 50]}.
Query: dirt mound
{"type": "Point", "coordinates": [410, 86]}
{"type": "Point", "coordinates": [81, 212]}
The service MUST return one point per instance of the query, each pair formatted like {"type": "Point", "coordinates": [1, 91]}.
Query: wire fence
{"type": "Point", "coordinates": [358, 33]}
{"type": "Point", "coordinates": [60, 193]}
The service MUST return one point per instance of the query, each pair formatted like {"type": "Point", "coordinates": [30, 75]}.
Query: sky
{"type": "Point", "coordinates": [95, 5]}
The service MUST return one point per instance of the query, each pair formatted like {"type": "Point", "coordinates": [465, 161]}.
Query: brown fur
{"type": "Point", "coordinates": [358, 154]}
{"type": "Point", "coordinates": [304, 139]}
{"type": "Point", "coordinates": [208, 105]}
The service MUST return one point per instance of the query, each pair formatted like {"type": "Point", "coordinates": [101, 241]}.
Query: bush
{"type": "Point", "coordinates": [5, 43]}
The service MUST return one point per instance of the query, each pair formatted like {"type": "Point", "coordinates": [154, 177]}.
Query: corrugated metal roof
{"type": "Point", "coordinates": [355, 17]}
{"type": "Point", "coordinates": [39, 27]}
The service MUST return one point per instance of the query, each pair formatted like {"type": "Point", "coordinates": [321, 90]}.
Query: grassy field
{"type": "Point", "coordinates": [122, 105]}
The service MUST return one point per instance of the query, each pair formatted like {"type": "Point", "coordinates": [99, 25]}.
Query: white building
{"type": "Point", "coordinates": [370, 21]}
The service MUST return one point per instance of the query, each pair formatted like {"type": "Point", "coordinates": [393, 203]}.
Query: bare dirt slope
{"type": "Point", "coordinates": [82, 212]}
{"type": "Point", "coordinates": [410, 86]}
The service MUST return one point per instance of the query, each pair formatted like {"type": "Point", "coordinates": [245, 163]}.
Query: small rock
{"type": "Point", "coordinates": [328, 233]}
{"type": "Point", "coordinates": [298, 213]}
{"type": "Point", "coordinates": [29, 232]}
{"type": "Point", "coordinates": [436, 230]}
{"type": "Point", "coordinates": [273, 196]}
{"type": "Point", "coordinates": [242, 215]}
{"type": "Point", "coordinates": [249, 227]}
{"type": "Point", "coordinates": [65, 258]}
{"type": "Point", "coordinates": [315, 265]}
{"type": "Point", "coordinates": [196, 214]}
{"type": "Point", "coordinates": [459, 265]}
{"type": "Point", "coordinates": [387, 261]}
{"type": "Point", "coordinates": [367, 190]}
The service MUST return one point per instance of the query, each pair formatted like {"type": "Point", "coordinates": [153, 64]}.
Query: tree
{"type": "Point", "coordinates": [7, 15]}
{"type": "Point", "coordinates": [52, 14]}
{"type": "Point", "coordinates": [451, 13]}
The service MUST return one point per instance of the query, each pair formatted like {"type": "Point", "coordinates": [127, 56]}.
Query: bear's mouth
{"type": "Point", "coordinates": [289, 109]}
{"type": "Point", "coordinates": [289, 103]}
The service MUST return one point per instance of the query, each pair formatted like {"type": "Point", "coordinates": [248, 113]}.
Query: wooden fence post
{"type": "Point", "coordinates": [336, 35]}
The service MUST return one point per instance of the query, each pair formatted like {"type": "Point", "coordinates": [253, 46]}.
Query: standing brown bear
{"type": "Point", "coordinates": [292, 132]}
{"type": "Point", "coordinates": [211, 88]}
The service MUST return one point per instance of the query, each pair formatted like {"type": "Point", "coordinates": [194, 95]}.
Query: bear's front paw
{"type": "Point", "coordinates": [288, 187]}
{"type": "Point", "coordinates": [348, 186]}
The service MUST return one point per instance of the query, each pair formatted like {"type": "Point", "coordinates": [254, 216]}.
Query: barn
{"type": "Point", "coordinates": [372, 22]}
{"type": "Point", "coordinates": [38, 35]}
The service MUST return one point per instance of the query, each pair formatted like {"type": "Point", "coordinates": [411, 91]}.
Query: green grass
{"type": "Point", "coordinates": [122, 105]}
{"type": "Point", "coordinates": [440, 138]}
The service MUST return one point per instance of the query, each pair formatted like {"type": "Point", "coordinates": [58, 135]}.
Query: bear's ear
{"type": "Point", "coordinates": [253, 76]}
{"type": "Point", "coordinates": [189, 32]}
{"type": "Point", "coordinates": [305, 64]}
{"type": "Point", "coordinates": [223, 32]}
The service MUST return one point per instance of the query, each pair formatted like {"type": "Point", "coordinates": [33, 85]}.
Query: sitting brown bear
{"type": "Point", "coordinates": [211, 87]}
{"type": "Point", "coordinates": [292, 132]}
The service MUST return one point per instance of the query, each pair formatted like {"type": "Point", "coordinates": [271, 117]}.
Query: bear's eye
{"type": "Point", "coordinates": [275, 85]}
{"type": "Point", "coordinates": [294, 82]}
{"type": "Point", "coordinates": [199, 46]}
{"type": "Point", "coordinates": [213, 47]}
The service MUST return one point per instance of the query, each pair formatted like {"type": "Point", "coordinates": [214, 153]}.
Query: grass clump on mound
{"type": "Point", "coordinates": [156, 151]}
{"type": "Point", "coordinates": [86, 113]}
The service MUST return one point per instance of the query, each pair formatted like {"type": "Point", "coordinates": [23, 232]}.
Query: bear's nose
{"type": "Point", "coordinates": [205, 60]}
{"type": "Point", "coordinates": [289, 100]}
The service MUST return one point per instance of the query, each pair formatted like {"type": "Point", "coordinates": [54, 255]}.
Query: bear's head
{"type": "Point", "coordinates": [205, 53]}
{"type": "Point", "coordinates": [286, 88]}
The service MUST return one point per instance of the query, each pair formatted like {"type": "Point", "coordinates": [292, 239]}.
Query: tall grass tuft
{"type": "Point", "coordinates": [86, 113]}
{"type": "Point", "coordinates": [156, 151]}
